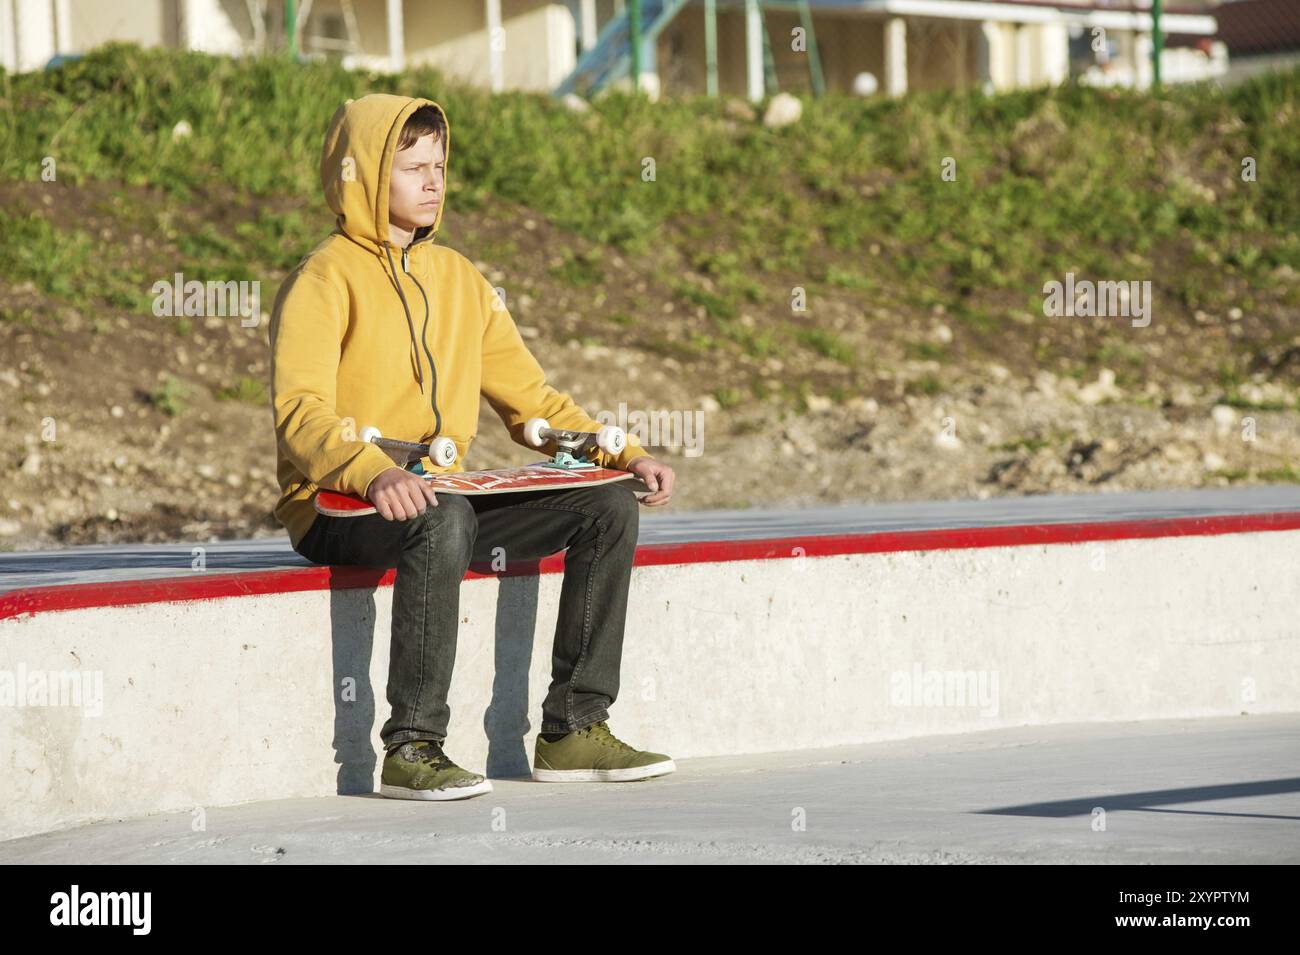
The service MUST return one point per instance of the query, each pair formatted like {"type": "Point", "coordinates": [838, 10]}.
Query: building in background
{"type": "Point", "coordinates": [1260, 35]}
{"type": "Point", "coordinates": [900, 45]}
{"type": "Point", "coordinates": [583, 46]}
{"type": "Point", "coordinates": [499, 44]}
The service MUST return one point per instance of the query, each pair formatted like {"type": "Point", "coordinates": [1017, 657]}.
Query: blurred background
{"type": "Point", "coordinates": [813, 240]}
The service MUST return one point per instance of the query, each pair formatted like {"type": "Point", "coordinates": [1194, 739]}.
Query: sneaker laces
{"type": "Point", "coordinates": [601, 733]}
{"type": "Point", "coordinates": [431, 753]}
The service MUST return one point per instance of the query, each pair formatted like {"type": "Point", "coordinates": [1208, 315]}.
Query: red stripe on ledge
{"type": "Point", "coordinates": [208, 586]}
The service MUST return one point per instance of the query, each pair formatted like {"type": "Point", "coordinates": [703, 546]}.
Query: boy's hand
{"type": "Point", "coordinates": [657, 477]}
{"type": "Point", "coordinates": [398, 494]}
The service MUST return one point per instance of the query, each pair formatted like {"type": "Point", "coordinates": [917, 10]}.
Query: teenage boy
{"type": "Point", "coordinates": [346, 354]}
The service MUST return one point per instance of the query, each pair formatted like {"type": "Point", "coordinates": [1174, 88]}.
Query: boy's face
{"type": "Point", "coordinates": [415, 188]}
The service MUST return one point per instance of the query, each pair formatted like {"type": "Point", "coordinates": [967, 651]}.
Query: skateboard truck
{"type": "Point", "coordinates": [407, 454]}
{"type": "Point", "coordinates": [573, 448]}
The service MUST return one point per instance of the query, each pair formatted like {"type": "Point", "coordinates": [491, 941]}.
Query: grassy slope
{"type": "Point", "coordinates": [1105, 183]}
{"type": "Point", "coordinates": [848, 205]}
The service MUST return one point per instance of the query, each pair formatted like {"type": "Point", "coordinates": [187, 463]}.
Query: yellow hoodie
{"type": "Point", "coordinates": [345, 354]}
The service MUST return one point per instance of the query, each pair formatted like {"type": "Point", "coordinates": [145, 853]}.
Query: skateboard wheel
{"type": "Point", "coordinates": [611, 439]}
{"type": "Point", "coordinates": [369, 433]}
{"type": "Point", "coordinates": [533, 431]}
{"type": "Point", "coordinates": [442, 452]}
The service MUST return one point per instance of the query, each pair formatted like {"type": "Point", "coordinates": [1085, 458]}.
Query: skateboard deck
{"type": "Point", "coordinates": [542, 476]}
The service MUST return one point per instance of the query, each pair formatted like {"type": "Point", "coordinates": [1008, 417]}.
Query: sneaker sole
{"type": "Point", "coordinates": [435, 795]}
{"type": "Point", "coordinates": [626, 775]}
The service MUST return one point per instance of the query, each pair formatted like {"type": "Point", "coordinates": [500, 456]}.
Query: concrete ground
{"type": "Point", "coordinates": [1185, 791]}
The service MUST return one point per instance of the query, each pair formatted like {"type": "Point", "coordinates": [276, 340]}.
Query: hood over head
{"type": "Point", "coordinates": [355, 168]}
{"type": "Point", "coordinates": [357, 160]}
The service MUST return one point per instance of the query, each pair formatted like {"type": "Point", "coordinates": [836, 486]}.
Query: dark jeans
{"type": "Point", "coordinates": [431, 552]}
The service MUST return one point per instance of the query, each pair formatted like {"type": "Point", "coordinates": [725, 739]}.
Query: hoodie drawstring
{"type": "Point", "coordinates": [419, 367]}
{"type": "Point", "coordinates": [410, 325]}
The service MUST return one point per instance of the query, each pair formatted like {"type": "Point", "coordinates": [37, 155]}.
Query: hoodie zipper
{"type": "Point", "coordinates": [433, 389]}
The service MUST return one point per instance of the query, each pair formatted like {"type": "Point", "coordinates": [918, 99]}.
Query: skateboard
{"type": "Point", "coordinates": [570, 467]}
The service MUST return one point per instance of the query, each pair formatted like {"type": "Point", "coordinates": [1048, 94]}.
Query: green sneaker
{"type": "Point", "coordinates": [595, 755]}
{"type": "Point", "coordinates": [421, 770]}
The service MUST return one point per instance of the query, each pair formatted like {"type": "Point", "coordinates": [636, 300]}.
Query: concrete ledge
{"type": "Point", "coordinates": [212, 698]}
